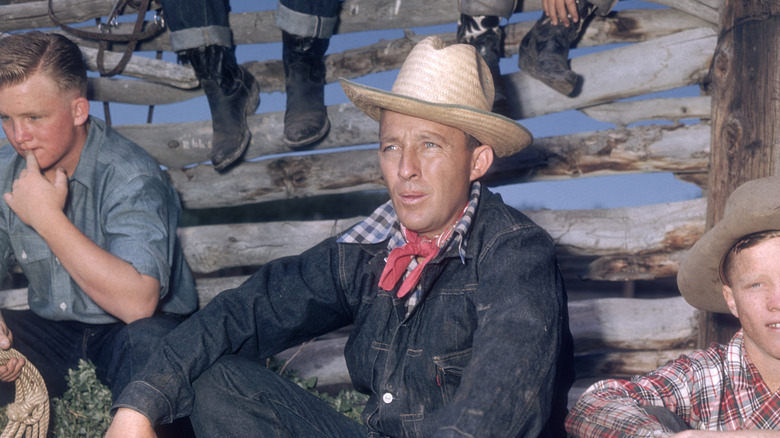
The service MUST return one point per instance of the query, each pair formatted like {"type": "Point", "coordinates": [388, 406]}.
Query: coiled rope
{"type": "Point", "coordinates": [28, 415]}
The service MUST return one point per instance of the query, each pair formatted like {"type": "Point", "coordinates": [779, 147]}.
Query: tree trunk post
{"type": "Point", "coordinates": [745, 88]}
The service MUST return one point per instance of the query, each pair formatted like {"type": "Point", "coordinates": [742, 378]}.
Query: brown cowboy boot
{"type": "Point", "coordinates": [544, 51]}
{"type": "Point", "coordinates": [232, 93]}
{"type": "Point", "coordinates": [305, 118]}
{"type": "Point", "coordinates": [487, 36]}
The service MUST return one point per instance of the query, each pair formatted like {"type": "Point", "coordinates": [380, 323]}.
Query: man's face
{"type": "Point", "coordinates": [428, 170]}
{"type": "Point", "coordinates": [754, 298]}
{"type": "Point", "coordinates": [38, 117]}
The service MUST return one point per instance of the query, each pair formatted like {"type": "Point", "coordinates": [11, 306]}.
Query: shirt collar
{"type": "Point", "coordinates": [382, 225]}
{"type": "Point", "coordinates": [85, 170]}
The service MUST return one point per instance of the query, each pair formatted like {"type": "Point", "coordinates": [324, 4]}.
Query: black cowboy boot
{"type": "Point", "coordinates": [487, 36]}
{"type": "Point", "coordinates": [232, 93]}
{"type": "Point", "coordinates": [544, 51]}
{"type": "Point", "coordinates": [305, 118]}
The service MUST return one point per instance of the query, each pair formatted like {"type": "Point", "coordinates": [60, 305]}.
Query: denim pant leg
{"type": "Point", "coordinates": [53, 347]}
{"type": "Point", "coordinates": [121, 351]}
{"type": "Point", "coordinates": [198, 23]}
{"type": "Point", "coordinates": [308, 18]}
{"type": "Point", "coordinates": [239, 397]}
{"type": "Point", "coordinates": [501, 8]}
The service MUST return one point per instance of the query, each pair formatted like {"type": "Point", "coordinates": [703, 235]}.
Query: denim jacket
{"type": "Point", "coordinates": [485, 352]}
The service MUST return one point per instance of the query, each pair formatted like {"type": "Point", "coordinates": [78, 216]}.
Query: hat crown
{"type": "Point", "coordinates": [447, 75]}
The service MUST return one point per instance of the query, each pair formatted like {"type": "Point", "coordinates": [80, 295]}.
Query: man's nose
{"type": "Point", "coordinates": [409, 166]}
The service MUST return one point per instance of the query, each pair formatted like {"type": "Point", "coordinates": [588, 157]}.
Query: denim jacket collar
{"type": "Point", "coordinates": [382, 225]}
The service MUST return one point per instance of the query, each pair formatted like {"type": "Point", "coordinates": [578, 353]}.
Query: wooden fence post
{"type": "Point", "coordinates": [745, 142]}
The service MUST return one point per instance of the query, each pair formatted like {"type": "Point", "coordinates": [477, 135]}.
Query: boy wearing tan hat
{"type": "Point", "coordinates": [458, 315]}
{"type": "Point", "coordinates": [733, 388]}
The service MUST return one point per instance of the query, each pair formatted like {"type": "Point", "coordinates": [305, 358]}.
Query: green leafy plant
{"type": "Point", "coordinates": [83, 410]}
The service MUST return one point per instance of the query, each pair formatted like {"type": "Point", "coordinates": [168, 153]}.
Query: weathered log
{"type": "Point", "coordinates": [622, 232]}
{"type": "Point", "coordinates": [140, 67]}
{"type": "Point", "coordinates": [675, 109]}
{"type": "Point", "coordinates": [661, 64]}
{"type": "Point", "coordinates": [644, 148]}
{"type": "Point", "coordinates": [13, 299]}
{"type": "Point", "coordinates": [633, 324]}
{"type": "Point", "coordinates": [646, 266]}
{"type": "Point", "coordinates": [623, 363]}
{"type": "Point", "coordinates": [708, 11]}
{"type": "Point", "coordinates": [214, 247]}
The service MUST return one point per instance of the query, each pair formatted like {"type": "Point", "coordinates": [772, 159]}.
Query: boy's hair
{"type": "Point", "coordinates": [746, 242]}
{"type": "Point", "coordinates": [24, 54]}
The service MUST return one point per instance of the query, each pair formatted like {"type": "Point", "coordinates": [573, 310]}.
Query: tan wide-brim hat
{"type": "Point", "coordinates": [753, 207]}
{"type": "Point", "coordinates": [450, 85]}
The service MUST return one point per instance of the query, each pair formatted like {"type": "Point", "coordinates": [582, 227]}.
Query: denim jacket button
{"type": "Point", "coordinates": [387, 398]}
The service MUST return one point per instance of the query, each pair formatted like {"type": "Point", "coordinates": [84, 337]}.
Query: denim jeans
{"type": "Point", "coordinates": [501, 8]}
{"type": "Point", "coordinates": [117, 350]}
{"type": "Point", "coordinates": [239, 397]}
{"type": "Point", "coordinates": [199, 23]}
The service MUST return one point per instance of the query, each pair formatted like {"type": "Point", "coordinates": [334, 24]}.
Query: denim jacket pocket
{"type": "Point", "coordinates": [449, 370]}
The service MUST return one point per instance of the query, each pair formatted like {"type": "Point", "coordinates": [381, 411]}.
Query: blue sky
{"type": "Point", "coordinates": [577, 193]}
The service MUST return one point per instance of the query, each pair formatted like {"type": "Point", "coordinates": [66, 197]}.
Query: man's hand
{"type": "Point", "coordinates": [561, 11]}
{"type": "Point", "coordinates": [33, 198]}
{"type": "Point", "coordinates": [13, 368]}
{"type": "Point", "coordinates": [130, 423]}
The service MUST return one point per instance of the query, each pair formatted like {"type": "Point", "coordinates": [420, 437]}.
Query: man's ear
{"type": "Point", "coordinates": [80, 108]}
{"type": "Point", "coordinates": [481, 160]}
{"type": "Point", "coordinates": [728, 295]}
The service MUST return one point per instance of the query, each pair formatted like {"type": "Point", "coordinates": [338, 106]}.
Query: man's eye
{"type": "Point", "coordinates": [429, 144]}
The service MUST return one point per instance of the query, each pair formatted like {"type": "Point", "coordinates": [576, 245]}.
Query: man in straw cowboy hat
{"type": "Point", "coordinates": [733, 388]}
{"type": "Point", "coordinates": [458, 315]}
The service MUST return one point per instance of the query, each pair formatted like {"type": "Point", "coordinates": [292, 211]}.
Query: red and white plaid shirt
{"type": "Point", "coordinates": [713, 389]}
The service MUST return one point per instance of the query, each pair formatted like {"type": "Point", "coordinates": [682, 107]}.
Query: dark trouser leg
{"type": "Point", "coordinates": [239, 397]}
{"type": "Point", "coordinates": [53, 347]}
{"type": "Point", "coordinates": [120, 351]}
{"type": "Point", "coordinates": [486, 35]}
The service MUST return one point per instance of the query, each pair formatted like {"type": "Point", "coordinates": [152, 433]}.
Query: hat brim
{"type": "Point", "coordinates": [504, 135]}
{"type": "Point", "coordinates": [750, 211]}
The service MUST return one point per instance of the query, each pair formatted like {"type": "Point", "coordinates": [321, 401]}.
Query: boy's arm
{"type": "Point", "coordinates": [128, 423]}
{"type": "Point", "coordinates": [114, 284]}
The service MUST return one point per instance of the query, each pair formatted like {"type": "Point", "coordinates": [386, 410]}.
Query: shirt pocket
{"type": "Point", "coordinates": [29, 249]}
{"type": "Point", "coordinates": [449, 370]}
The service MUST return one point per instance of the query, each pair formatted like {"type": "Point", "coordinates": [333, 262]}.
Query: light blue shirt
{"type": "Point", "coordinates": [121, 200]}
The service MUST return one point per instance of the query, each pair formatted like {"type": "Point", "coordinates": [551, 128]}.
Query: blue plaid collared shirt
{"type": "Point", "coordinates": [383, 225]}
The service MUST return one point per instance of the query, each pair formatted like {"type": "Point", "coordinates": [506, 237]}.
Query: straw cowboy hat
{"type": "Point", "coordinates": [753, 207]}
{"type": "Point", "coordinates": [448, 85]}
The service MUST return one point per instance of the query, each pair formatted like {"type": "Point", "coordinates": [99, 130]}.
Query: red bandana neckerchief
{"type": "Point", "coordinates": [401, 256]}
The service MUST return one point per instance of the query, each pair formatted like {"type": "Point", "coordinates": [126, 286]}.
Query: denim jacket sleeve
{"type": "Point", "coordinates": [253, 320]}
{"type": "Point", "coordinates": [515, 384]}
